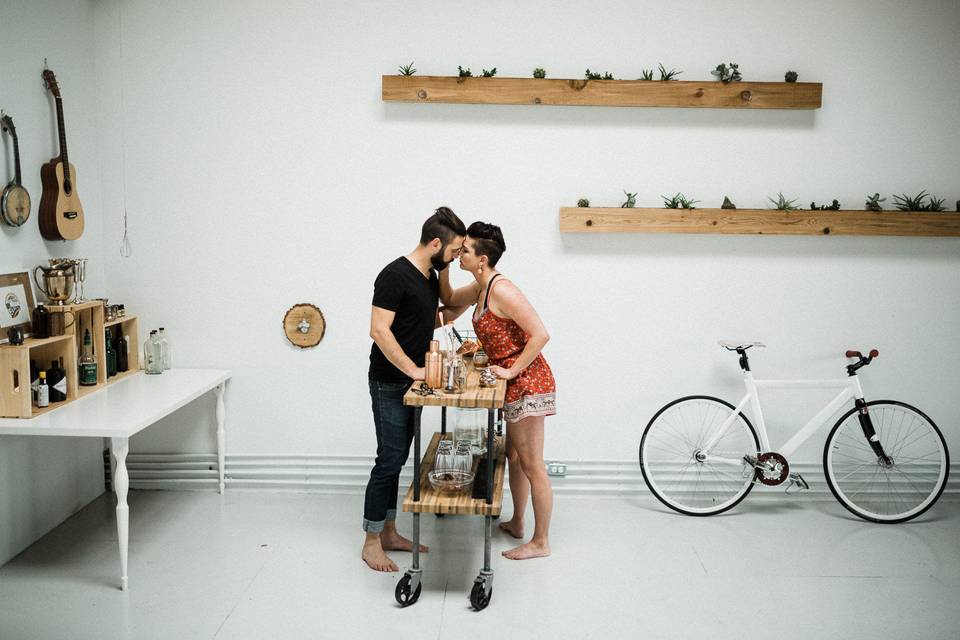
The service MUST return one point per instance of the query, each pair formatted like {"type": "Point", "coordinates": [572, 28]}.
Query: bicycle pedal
{"type": "Point", "coordinates": [797, 483]}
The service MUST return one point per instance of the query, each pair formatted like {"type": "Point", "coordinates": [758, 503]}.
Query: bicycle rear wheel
{"type": "Point", "coordinates": [887, 491]}
{"type": "Point", "coordinates": [683, 476]}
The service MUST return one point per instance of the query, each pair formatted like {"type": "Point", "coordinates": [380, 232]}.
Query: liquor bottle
{"type": "Point", "coordinates": [151, 355]}
{"type": "Point", "coordinates": [34, 380]}
{"type": "Point", "coordinates": [87, 364]}
{"type": "Point", "coordinates": [57, 382]}
{"type": "Point", "coordinates": [123, 363]}
{"type": "Point", "coordinates": [43, 391]}
{"type": "Point", "coordinates": [111, 354]}
{"type": "Point", "coordinates": [164, 349]}
{"type": "Point", "coordinates": [41, 322]}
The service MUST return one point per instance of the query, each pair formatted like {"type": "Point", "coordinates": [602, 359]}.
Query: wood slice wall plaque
{"type": "Point", "coordinates": [304, 325]}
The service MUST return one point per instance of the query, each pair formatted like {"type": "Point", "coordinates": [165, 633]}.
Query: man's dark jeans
{"type": "Point", "coordinates": [394, 425]}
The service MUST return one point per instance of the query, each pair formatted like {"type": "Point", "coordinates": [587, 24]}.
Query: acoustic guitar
{"type": "Point", "coordinates": [60, 213]}
{"type": "Point", "coordinates": [15, 201]}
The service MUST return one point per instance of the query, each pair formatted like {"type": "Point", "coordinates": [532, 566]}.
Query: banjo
{"type": "Point", "coordinates": [14, 201]}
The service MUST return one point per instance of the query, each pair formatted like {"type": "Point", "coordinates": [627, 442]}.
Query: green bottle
{"type": "Point", "coordinates": [87, 365]}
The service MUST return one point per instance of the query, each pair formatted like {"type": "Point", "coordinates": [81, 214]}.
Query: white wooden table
{"type": "Point", "coordinates": [121, 410]}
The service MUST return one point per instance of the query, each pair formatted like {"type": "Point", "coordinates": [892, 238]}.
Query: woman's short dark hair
{"type": "Point", "coordinates": [443, 224]}
{"type": "Point", "coordinates": [487, 241]}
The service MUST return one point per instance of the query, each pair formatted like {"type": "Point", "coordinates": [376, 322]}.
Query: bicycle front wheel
{"type": "Point", "coordinates": [678, 469]}
{"type": "Point", "coordinates": [895, 489]}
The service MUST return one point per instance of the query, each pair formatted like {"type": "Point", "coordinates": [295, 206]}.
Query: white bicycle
{"type": "Point", "coordinates": [884, 460]}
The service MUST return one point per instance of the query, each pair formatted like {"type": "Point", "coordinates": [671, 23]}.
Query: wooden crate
{"type": "Point", "coordinates": [129, 326]}
{"type": "Point", "coordinates": [16, 400]}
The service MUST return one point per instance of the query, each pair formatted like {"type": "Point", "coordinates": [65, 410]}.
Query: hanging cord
{"type": "Point", "coordinates": [126, 249]}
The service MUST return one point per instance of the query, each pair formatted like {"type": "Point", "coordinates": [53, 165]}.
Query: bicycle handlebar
{"type": "Point", "coordinates": [856, 354]}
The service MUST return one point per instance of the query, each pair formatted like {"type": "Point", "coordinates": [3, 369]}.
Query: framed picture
{"type": "Point", "coordinates": [16, 303]}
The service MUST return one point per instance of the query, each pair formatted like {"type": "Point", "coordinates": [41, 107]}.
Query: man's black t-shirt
{"type": "Point", "coordinates": [403, 289]}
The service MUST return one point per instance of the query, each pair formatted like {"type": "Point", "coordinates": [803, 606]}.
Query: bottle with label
{"type": "Point", "coordinates": [151, 355]}
{"type": "Point", "coordinates": [87, 365]}
{"type": "Point", "coordinates": [111, 354]}
{"type": "Point", "coordinates": [43, 391]}
{"type": "Point", "coordinates": [164, 349]}
{"type": "Point", "coordinates": [34, 380]}
{"type": "Point", "coordinates": [57, 382]}
{"type": "Point", "coordinates": [121, 347]}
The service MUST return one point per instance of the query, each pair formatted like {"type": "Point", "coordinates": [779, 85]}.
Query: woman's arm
{"type": "Point", "coordinates": [462, 297]}
{"type": "Point", "coordinates": [507, 301]}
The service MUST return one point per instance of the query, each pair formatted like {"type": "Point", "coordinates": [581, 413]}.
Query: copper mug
{"type": "Point", "coordinates": [58, 323]}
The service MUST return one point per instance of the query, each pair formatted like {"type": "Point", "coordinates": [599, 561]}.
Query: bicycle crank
{"type": "Point", "coordinates": [771, 468]}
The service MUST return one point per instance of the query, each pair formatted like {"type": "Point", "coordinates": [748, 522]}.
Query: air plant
{"type": "Point", "coordinates": [727, 74]}
{"type": "Point", "coordinates": [647, 74]}
{"type": "Point", "coordinates": [790, 76]}
{"type": "Point", "coordinates": [678, 201]}
{"type": "Point", "coordinates": [490, 73]}
{"type": "Point", "coordinates": [407, 69]}
{"type": "Point", "coordinates": [631, 201]}
{"type": "Point", "coordinates": [916, 203]}
{"type": "Point", "coordinates": [539, 73]}
{"type": "Point", "coordinates": [835, 206]}
{"type": "Point", "coordinates": [782, 204]}
{"type": "Point", "coordinates": [668, 75]}
{"type": "Point", "coordinates": [583, 202]}
{"type": "Point", "coordinates": [873, 202]}
{"type": "Point", "coordinates": [592, 75]}
{"type": "Point", "coordinates": [464, 73]}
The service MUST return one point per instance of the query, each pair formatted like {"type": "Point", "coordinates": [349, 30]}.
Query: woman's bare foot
{"type": "Point", "coordinates": [396, 542]}
{"type": "Point", "coordinates": [513, 527]}
{"type": "Point", "coordinates": [375, 557]}
{"type": "Point", "coordinates": [529, 550]}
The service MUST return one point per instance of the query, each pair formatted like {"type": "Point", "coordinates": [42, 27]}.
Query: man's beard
{"type": "Point", "coordinates": [437, 260]}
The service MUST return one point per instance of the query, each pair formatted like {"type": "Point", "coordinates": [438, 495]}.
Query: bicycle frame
{"type": "Point", "coordinates": [850, 389]}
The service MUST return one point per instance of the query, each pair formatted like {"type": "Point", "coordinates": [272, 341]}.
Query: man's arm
{"type": "Point", "coordinates": [380, 323]}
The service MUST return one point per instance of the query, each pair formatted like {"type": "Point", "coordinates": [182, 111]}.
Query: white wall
{"type": "Point", "coordinates": [262, 170]}
{"type": "Point", "coordinates": [44, 480]}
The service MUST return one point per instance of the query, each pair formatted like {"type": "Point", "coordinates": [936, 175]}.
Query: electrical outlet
{"type": "Point", "coordinates": [556, 469]}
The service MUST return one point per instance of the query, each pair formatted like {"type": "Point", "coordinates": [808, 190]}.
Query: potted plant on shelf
{"type": "Point", "coordinates": [727, 74]}
{"type": "Point", "coordinates": [782, 204]}
{"type": "Point", "coordinates": [489, 74]}
{"type": "Point", "coordinates": [790, 76]}
{"type": "Point", "coordinates": [835, 206]}
{"type": "Point", "coordinates": [583, 202]}
{"type": "Point", "coordinates": [407, 69]}
{"type": "Point", "coordinates": [679, 201]}
{"type": "Point", "coordinates": [873, 202]}
{"type": "Point", "coordinates": [539, 73]}
{"type": "Point", "coordinates": [631, 200]}
{"type": "Point", "coordinates": [464, 73]}
{"type": "Point", "coordinates": [919, 202]}
{"type": "Point", "coordinates": [646, 74]}
{"type": "Point", "coordinates": [591, 75]}
{"type": "Point", "coordinates": [668, 75]}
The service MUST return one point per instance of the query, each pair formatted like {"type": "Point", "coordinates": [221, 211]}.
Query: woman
{"type": "Point", "coordinates": [512, 336]}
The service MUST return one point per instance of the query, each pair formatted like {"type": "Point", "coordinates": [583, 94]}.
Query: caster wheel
{"type": "Point", "coordinates": [478, 596]}
{"type": "Point", "coordinates": [439, 515]}
{"type": "Point", "coordinates": [402, 592]}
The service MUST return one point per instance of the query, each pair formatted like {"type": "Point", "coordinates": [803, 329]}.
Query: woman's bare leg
{"type": "Point", "coordinates": [519, 489]}
{"type": "Point", "coordinates": [528, 441]}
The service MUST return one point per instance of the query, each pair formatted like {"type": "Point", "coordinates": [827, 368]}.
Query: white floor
{"type": "Point", "coordinates": [287, 565]}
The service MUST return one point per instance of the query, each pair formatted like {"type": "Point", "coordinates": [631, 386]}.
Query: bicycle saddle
{"type": "Point", "coordinates": [731, 345]}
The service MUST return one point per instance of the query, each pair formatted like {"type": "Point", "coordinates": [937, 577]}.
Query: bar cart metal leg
{"type": "Point", "coordinates": [443, 430]}
{"type": "Point", "coordinates": [409, 586]}
{"type": "Point", "coordinates": [483, 584]}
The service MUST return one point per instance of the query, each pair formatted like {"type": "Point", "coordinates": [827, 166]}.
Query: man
{"type": "Point", "coordinates": [402, 321]}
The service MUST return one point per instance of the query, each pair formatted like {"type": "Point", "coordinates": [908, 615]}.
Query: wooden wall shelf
{"type": "Point", "coordinates": [603, 93]}
{"type": "Point", "coordinates": [759, 221]}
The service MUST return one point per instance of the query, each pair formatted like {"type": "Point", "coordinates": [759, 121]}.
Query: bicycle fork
{"type": "Point", "coordinates": [866, 424]}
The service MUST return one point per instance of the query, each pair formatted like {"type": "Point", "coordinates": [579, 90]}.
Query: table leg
{"type": "Point", "coordinates": [221, 433]}
{"type": "Point", "coordinates": [119, 447]}
{"type": "Point", "coordinates": [416, 486]}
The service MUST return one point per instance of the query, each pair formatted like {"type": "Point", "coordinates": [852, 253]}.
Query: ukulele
{"type": "Point", "coordinates": [15, 201]}
{"type": "Point", "coordinates": [60, 212]}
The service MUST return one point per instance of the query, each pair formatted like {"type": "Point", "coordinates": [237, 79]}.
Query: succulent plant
{"type": "Point", "coordinates": [583, 202]}
{"type": "Point", "coordinates": [490, 73]}
{"type": "Point", "coordinates": [407, 69]}
{"type": "Point", "coordinates": [631, 201]}
{"type": "Point", "coordinates": [593, 75]}
{"type": "Point", "coordinates": [790, 76]}
{"type": "Point", "coordinates": [464, 73]}
{"type": "Point", "coordinates": [835, 206]}
{"type": "Point", "coordinates": [647, 74]}
{"type": "Point", "coordinates": [678, 201]}
{"type": "Point", "coordinates": [783, 204]}
{"type": "Point", "coordinates": [727, 203]}
{"type": "Point", "coordinates": [873, 202]}
{"type": "Point", "coordinates": [727, 74]}
{"type": "Point", "coordinates": [539, 73]}
{"type": "Point", "coordinates": [668, 75]}
{"type": "Point", "coordinates": [916, 203]}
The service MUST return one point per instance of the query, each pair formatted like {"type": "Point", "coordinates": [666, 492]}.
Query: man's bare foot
{"type": "Point", "coordinates": [513, 527]}
{"type": "Point", "coordinates": [528, 550]}
{"type": "Point", "coordinates": [375, 557]}
{"type": "Point", "coordinates": [396, 542]}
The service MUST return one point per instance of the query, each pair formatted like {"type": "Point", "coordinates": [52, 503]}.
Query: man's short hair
{"type": "Point", "coordinates": [443, 224]}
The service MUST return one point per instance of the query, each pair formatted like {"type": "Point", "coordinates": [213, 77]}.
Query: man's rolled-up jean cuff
{"type": "Point", "coordinates": [371, 526]}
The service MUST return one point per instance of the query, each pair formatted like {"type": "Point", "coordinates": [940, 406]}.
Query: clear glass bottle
{"type": "Point", "coordinates": [454, 374]}
{"type": "Point", "coordinates": [87, 364]}
{"type": "Point", "coordinates": [164, 349]}
{"type": "Point", "coordinates": [151, 355]}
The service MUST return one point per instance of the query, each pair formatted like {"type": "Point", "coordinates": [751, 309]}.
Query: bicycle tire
{"type": "Point", "coordinates": [928, 474]}
{"type": "Point", "coordinates": [671, 498]}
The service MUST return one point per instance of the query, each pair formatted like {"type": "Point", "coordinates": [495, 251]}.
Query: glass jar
{"type": "Point", "coordinates": [470, 426]}
{"type": "Point", "coordinates": [454, 374]}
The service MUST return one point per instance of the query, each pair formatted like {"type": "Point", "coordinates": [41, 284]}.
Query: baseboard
{"type": "Point", "coordinates": [349, 474]}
